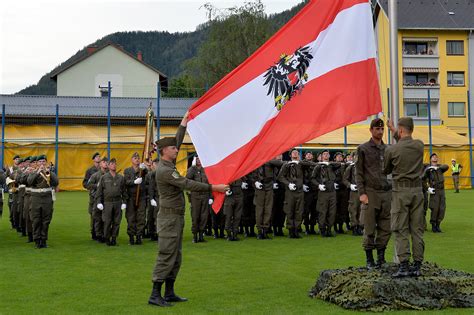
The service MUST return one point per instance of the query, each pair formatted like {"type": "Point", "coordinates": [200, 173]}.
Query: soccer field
{"type": "Point", "coordinates": [78, 275]}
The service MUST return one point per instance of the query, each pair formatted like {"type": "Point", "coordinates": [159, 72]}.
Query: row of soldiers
{"type": "Point", "coordinates": [31, 185]}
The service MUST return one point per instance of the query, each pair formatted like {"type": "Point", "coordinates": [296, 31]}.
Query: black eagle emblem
{"type": "Point", "coordinates": [288, 76]}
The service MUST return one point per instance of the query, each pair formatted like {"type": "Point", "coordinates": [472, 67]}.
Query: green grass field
{"type": "Point", "coordinates": [77, 275]}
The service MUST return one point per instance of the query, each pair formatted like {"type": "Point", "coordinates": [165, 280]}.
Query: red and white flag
{"type": "Point", "coordinates": [316, 74]}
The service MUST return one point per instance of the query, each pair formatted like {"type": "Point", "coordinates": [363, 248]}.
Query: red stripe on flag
{"type": "Point", "coordinates": [339, 98]}
{"type": "Point", "coordinates": [302, 29]}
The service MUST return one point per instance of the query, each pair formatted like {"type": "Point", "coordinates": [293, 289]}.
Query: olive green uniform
{"type": "Point", "coordinates": [437, 202]}
{"type": "Point", "coordinates": [324, 174]}
{"type": "Point", "coordinates": [13, 194]}
{"type": "Point", "coordinates": [96, 213]}
{"type": "Point", "coordinates": [2, 185]}
{"type": "Point", "coordinates": [354, 201]}
{"type": "Point", "coordinates": [199, 200]}
{"type": "Point", "coordinates": [112, 193]}
{"type": "Point", "coordinates": [233, 205]}
{"type": "Point", "coordinates": [310, 216]}
{"type": "Point", "coordinates": [404, 160]}
{"type": "Point", "coordinates": [152, 211]}
{"type": "Point", "coordinates": [371, 180]}
{"type": "Point", "coordinates": [89, 172]}
{"type": "Point", "coordinates": [41, 203]}
{"type": "Point", "coordinates": [136, 215]}
{"type": "Point", "coordinates": [293, 173]}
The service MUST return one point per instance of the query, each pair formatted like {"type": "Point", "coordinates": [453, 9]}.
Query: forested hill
{"type": "Point", "coordinates": [165, 51]}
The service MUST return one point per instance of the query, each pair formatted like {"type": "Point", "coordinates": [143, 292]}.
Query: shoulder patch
{"type": "Point", "coordinates": [175, 175]}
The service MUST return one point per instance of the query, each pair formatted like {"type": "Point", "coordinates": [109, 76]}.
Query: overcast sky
{"type": "Point", "coordinates": [37, 35]}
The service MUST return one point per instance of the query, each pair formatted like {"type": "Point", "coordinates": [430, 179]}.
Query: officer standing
{"type": "Point", "coordinates": [310, 197]}
{"type": "Point", "coordinates": [12, 185]}
{"type": "Point", "coordinates": [342, 195]}
{"type": "Point", "coordinates": [89, 172]}
{"type": "Point", "coordinates": [434, 177]}
{"type": "Point", "coordinates": [136, 209]}
{"type": "Point", "coordinates": [199, 202]}
{"type": "Point", "coordinates": [2, 187]}
{"type": "Point", "coordinates": [278, 213]}
{"type": "Point", "coordinates": [43, 183]}
{"type": "Point", "coordinates": [233, 204]}
{"type": "Point", "coordinates": [92, 187]}
{"type": "Point", "coordinates": [111, 199]}
{"type": "Point", "coordinates": [248, 212]}
{"type": "Point", "coordinates": [374, 194]}
{"type": "Point", "coordinates": [153, 198]}
{"type": "Point", "coordinates": [456, 171]}
{"type": "Point", "coordinates": [404, 160]}
{"type": "Point", "coordinates": [170, 221]}
{"type": "Point", "coordinates": [354, 202]}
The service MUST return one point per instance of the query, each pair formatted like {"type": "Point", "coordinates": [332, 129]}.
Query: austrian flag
{"type": "Point", "coordinates": [315, 75]}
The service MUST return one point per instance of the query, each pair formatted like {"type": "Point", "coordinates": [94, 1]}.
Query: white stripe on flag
{"type": "Point", "coordinates": [238, 118]}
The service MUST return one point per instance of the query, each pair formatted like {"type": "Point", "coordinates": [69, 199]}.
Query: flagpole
{"type": "Point", "coordinates": [393, 22]}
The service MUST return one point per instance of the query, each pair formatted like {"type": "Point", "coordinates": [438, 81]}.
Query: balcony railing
{"type": "Point", "coordinates": [420, 61]}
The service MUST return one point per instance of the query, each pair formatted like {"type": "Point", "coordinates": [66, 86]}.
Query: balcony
{"type": "Point", "coordinates": [421, 92]}
{"type": "Point", "coordinates": [420, 61]}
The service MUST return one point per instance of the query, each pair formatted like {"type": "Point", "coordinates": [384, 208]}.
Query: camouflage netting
{"type": "Point", "coordinates": [376, 290]}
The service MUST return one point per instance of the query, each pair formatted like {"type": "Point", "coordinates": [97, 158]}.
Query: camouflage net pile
{"type": "Point", "coordinates": [375, 290]}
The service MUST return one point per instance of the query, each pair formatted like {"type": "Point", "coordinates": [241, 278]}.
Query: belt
{"type": "Point", "coordinates": [40, 190]}
{"type": "Point", "coordinates": [386, 187]}
{"type": "Point", "coordinates": [407, 183]}
{"type": "Point", "coordinates": [28, 189]}
{"type": "Point", "coordinates": [171, 211]}
{"type": "Point", "coordinates": [113, 200]}
{"type": "Point", "coordinates": [456, 173]}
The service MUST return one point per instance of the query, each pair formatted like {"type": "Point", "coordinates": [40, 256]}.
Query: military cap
{"type": "Point", "coordinates": [28, 158]}
{"type": "Point", "coordinates": [166, 142]}
{"type": "Point", "coordinates": [325, 150]}
{"type": "Point", "coordinates": [406, 122]}
{"type": "Point", "coordinates": [135, 154]}
{"type": "Point", "coordinates": [377, 122]}
{"type": "Point", "coordinates": [339, 153]}
{"type": "Point", "coordinates": [41, 157]}
{"type": "Point", "coordinates": [95, 154]}
{"type": "Point", "coordinates": [21, 160]}
{"type": "Point", "coordinates": [16, 157]}
{"type": "Point", "coordinates": [433, 155]}
{"type": "Point", "coordinates": [293, 149]}
{"type": "Point", "coordinates": [104, 159]}
{"type": "Point", "coordinates": [113, 160]}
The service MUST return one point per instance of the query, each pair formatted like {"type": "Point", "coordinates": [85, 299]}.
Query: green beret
{"type": "Point", "coordinates": [406, 122]}
{"type": "Point", "coordinates": [113, 160]}
{"type": "Point", "coordinates": [338, 153]}
{"type": "Point", "coordinates": [16, 157]}
{"type": "Point", "coordinates": [166, 142]}
{"type": "Point", "coordinates": [136, 155]}
{"type": "Point", "coordinates": [28, 158]}
{"type": "Point", "coordinates": [377, 122]}
{"type": "Point", "coordinates": [41, 157]}
{"type": "Point", "coordinates": [95, 154]}
{"type": "Point", "coordinates": [104, 159]}
{"type": "Point", "coordinates": [21, 160]}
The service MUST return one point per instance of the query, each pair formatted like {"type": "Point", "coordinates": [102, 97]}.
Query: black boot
{"type": "Point", "coordinates": [241, 229]}
{"type": "Point", "coordinates": [195, 238]}
{"type": "Point", "coordinates": [222, 235]}
{"type": "Point", "coordinates": [296, 233]}
{"type": "Point", "coordinates": [43, 244]}
{"type": "Point", "coordinates": [438, 229]}
{"type": "Point", "coordinates": [113, 242]}
{"type": "Point", "coordinates": [416, 271]}
{"type": "Point", "coordinates": [235, 238]}
{"type": "Point", "coordinates": [108, 242]}
{"type": "Point", "coordinates": [433, 228]}
{"type": "Point", "coordinates": [38, 244]}
{"type": "Point", "coordinates": [280, 231]}
{"type": "Point", "coordinates": [322, 228]}
{"type": "Point", "coordinates": [355, 231]}
{"type": "Point", "coordinates": [260, 235]}
{"type": "Point", "coordinates": [403, 270]}
{"type": "Point", "coordinates": [340, 230]}
{"type": "Point", "coordinates": [329, 232]}
{"type": "Point", "coordinates": [306, 229]}
{"type": "Point", "coordinates": [380, 257]}
{"type": "Point", "coordinates": [252, 231]}
{"type": "Point", "coordinates": [216, 233]}
{"type": "Point", "coordinates": [311, 230]}
{"type": "Point", "coordinates": [246, 231]}
{"type": "Point", "coordinates": [155, 297]}
{"type": "Point", "coordinates": [131, 240]}
{"type": "Point", "coordinates": [229, 236]}
{"type": "Point", "coordinates": [269, 230]}
{"type": "Point", "coordinates": [369, 259]}
{"type": "Point", "coordinates": [201, 237]}
{"type": "Point", "coordinates": [30, 237]}
{"type": "Point", "coordinates": [361, 230]}
{"type": "Point", "coordinates": [139, 240]}
{"type": "Point", "coordinates": [93, 236]}
{"type": "Point", "coordinates": [170, 296]}
{"type": "Point", "coordinates": [275, 231]}
{"type": "Point", "coordinates": [154, 237]}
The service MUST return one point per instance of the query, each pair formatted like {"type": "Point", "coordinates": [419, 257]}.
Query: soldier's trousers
{"type": "Point", "coordinates": [136, 216]}
{"type": "Point", "coordinates": [437, 206]}
{"type": "Point", "coordinates": [233, 212]}
{"type": "Point", "coordinates": [218, 219]}
{"type": "Point", "coordinates": [21, 203]}
{"type": "Point", "coordinates": [263, 201]}
{"type": "Point", "coordinates": [151, 218]}
{"type": "Point", "coordinates": [199, 213]}
{"type": "Point", "coordinates": [27, 213]}
{"type": "Point", "coordinates": [98, 221]}
{"type": "Point", "coordinates": [170, 225]}
{"type": "Point", "coordinates": [41, 214]}
{"type": "Point", "coordinates": [248, 212]}
{"type": "Point", "coordinates": [90, 210]}
{"type": "Point", "coordinates": [13, 208]}
{"type": "Point", "coordinates": [293, 207]}
{"type": "Point", "coordinates": [354, 208]}
{"type": "Point", "coordinates": [342, 205]}
{"type": "Point", "coordinates": [309, 215]}
{"type": "Point", "coordinates": [407, 220]}
{"type": "Point", "coordinates": [112, 216]}
{"type": "Point", "coordinates": [376, 220]}
{"type": "Point", "coordinates": [278, 214]}
{"type": "Point", "coordinates": [456, 181]}
{"type": "Point", "coordinates": [327, 207]}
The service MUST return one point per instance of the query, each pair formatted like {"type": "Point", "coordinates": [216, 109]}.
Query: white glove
{"type": "Point", "coordinates": [322, 187]}
{"type": "Point", "coordinates": [292, 186]}
{"type": "Point", "coordinates": [228, 192]}
{"type": "Point", "coordinates": [353, 187]}
{"type": "Point", "coordinates": [138, 181]}
{"type": "Point", "coordinates": [336, 186]}
{"type": "Point", "coordinates": [100, 206]}
{"type": "Point", "coordinates": [142, 166]}
{"type": "Point", "coordinates": [211, 201]}
{"type": "Point", "coordinates": [325, 163]}
{"type": "Point", "coordinates": [245, 185]}
{"type": "Point", "coordinates": [153, 203]}
{"type": "Point", "coordinates": [275, 185]}
{"type": "Point", "coordinates": [258, 185]}
{"type": "Point", "coordinates": [305, 188]}
{"type": "Point", "coordinates": [433, 167]}
{"type": "Point", "coordinates": [123, 207]}
{"type": "Point", "coordinates": [431, 190]}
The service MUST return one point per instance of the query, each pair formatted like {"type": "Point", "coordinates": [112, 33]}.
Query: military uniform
{"type": "Point", "coordinates": [135, 214]}
{"type": "Point", "coordinates": [112, 194]}
{"type": "Point", "coordinates": [89, 172]}
{"type": "Point", "coordinates": [42, 190]}
{"type": "Point", "coordinates": [404, 160]}
{"type": "Point", "coordinates": [12, 173]}
{"type": "Point", "coordinates": [233, 204]}
{"type": "Point", "coordinates": [433, 175]}
{"type": "Point", "coordinates": [152, 211]}
{"type": "Point", "coordinates": [248, 211]}
{"type": "Point", "coordinates": [199, 203]}
{"type": "Point", "coordinates": [342, 200]}
{"type": "Point", "coordinates": [278, 213]}
{"type": "Point", "coordinates": [98, 223]}
{"type": "Point", "coordinates": [2, 187]}
{"type": "Point", "coordinates": [310, 215]}
{"type": "Point", "coordinates": [324, 174]}
{"type": "Point", "coordinates": [354, 201]}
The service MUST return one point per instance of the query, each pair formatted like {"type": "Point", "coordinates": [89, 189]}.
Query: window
{"type": "Point", "coordinates": [416, 109]}
{"type": "Point", "coordinates": [455, 78]}
{"type": "Point", "coordinates": [416, 78]}
{"type": "Point", "coordinates": [456, 109]}
{"type": "Point", "coordinates": [414, 48]}
{"type": "Point", "coordinates": [455, 47]}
